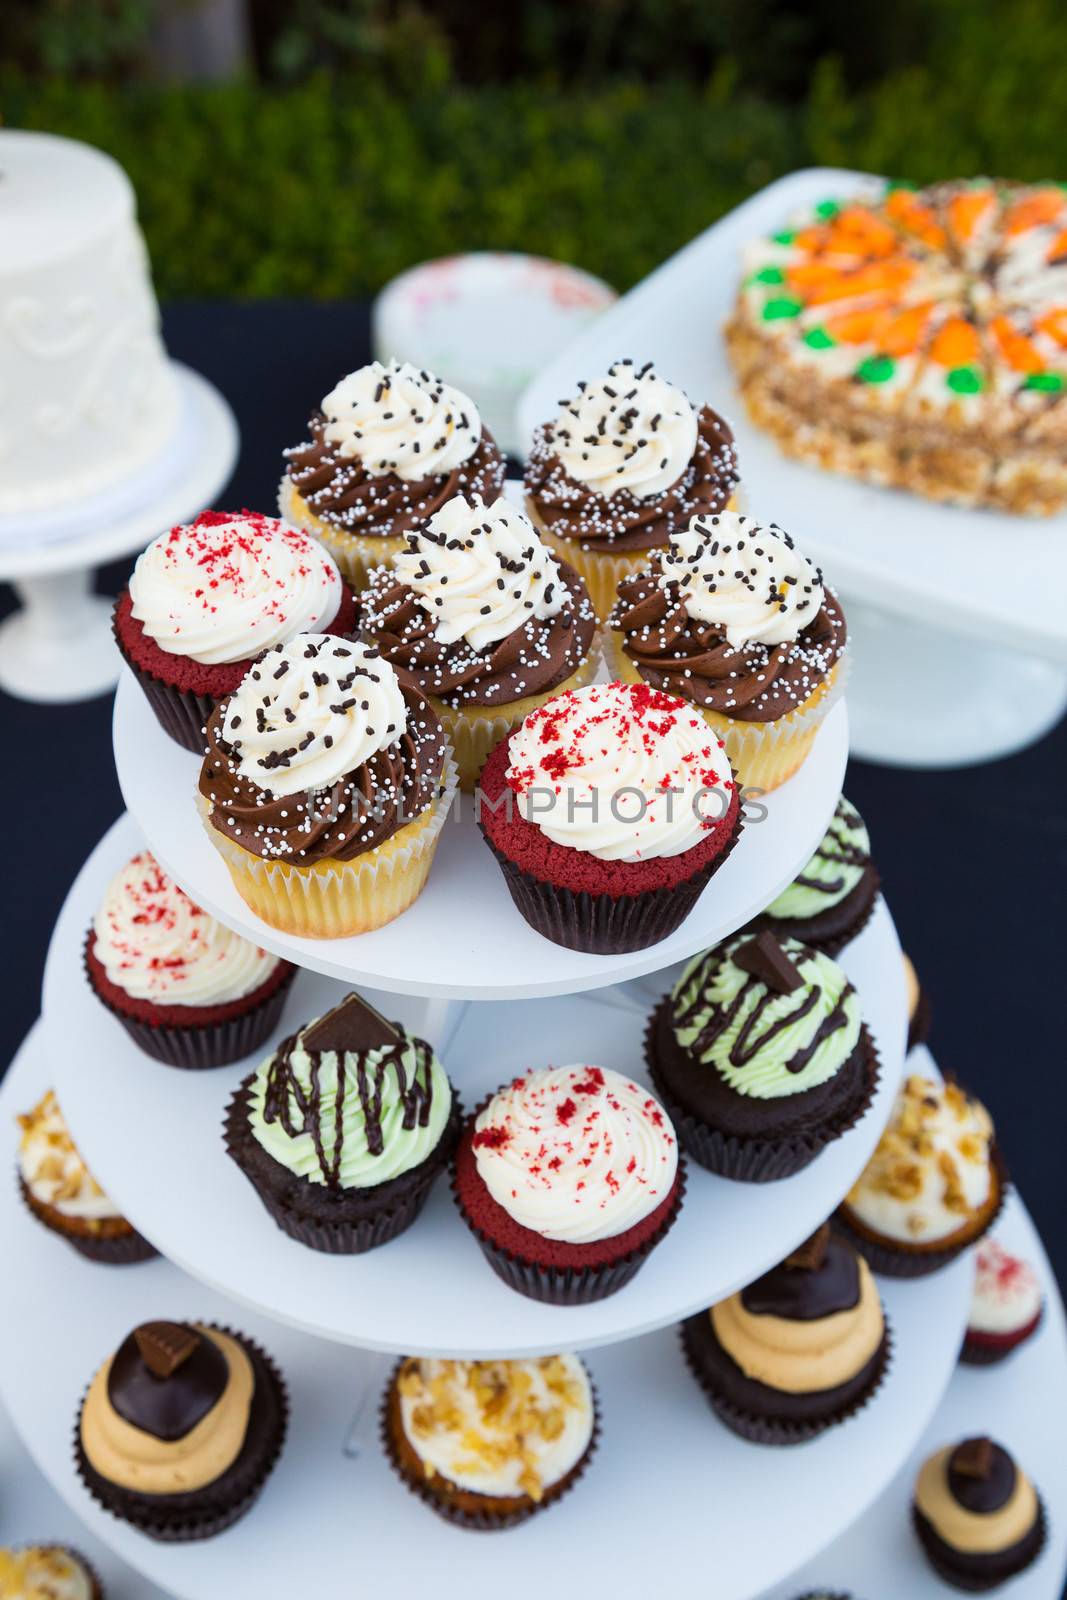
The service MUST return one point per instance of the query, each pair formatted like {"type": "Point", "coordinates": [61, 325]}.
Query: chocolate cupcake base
{"type": "Point", "coordinates": [112, 1250]}
{"type": "Point", "coordinates": [202, 1513]}
{"type": "Point", "coordinates": [834, 928]}
{"type": "Point", "coordinates": [459, 1506]}
{"type": "Point", "coordinates": [978, 1572]}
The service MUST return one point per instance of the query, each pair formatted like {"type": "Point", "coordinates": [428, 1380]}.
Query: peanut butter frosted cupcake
{"type": "Point", "coordinates": [325, 787]}
{"type": "Point", "coordinates": [47, 1572]}
{"type": "Point", "coordinates": [732, 617]}
{"type": "Point", "coordinates": [978, 1517]}
{"type": "Point", "coordinates": [486, 1444]}
{"type": "Point", "coordinates": [481, 618]}
{"type": "Point", "coordinates": [625, 463]}
{"type": "Point", "coordinates": [933, 1186]}
{"type": "Point", "coordinates": [389, 446]}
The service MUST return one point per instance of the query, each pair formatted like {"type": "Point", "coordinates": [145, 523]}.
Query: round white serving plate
{"type": "Point", "coordinates": [972, 580]}
{"type": "Point", "coordinates": [333, 1509]}
{"type": "Point", "coordinates": [152, 1135]}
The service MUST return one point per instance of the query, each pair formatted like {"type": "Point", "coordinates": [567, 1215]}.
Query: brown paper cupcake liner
{"type": "Point", "coordinates": [120, 1250]}
{"type": "Point", "coordinates": [984, 1355]}
{"type": "Point", "coordinates": [179, 712]}
{"type": "Point", "coordinates": [349, 1236]}
{"type": "Point", "coordinates": [777, 1430]}
{"type": "Point", "coordinates": [199, 1047]}
{"type": "Point", "coordinates": [889, 1261]}
{"type": "Point", "coordinates": [606, 924]}
{"type": "Point", "coordinates": [831, 944]}
{"type": "Point", "coordinates": [756, 1160]}
{"type": "Point", "coordinates": [483, 1521]}
{"type": "Point", "coordinates": [1030, 1548]}
{"type": "Point", "coordinates": [215, 1518]}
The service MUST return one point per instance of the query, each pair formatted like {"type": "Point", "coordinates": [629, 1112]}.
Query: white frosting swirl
{"type": "Point", "coordinates": [310, 712]}
{"type": "Point", "coordinates": [154, 943]}
{"type": "Point", "coordinates": [52, 1169]}
{"type": "Point", "coordinates": [1007, 1291]}
{"type": "Point", "coordinates": [630, 429]}
{"type": "Point", "coordinates": [621, 771]}
{"type": "Point", "coordinates": [224, 591]}
{"type": "Point", "coordinates": [576, 1153]}
{"type": "Point", "coordinates": [481, 572]}
{"type": "Point", "coordinates": [749, 579]}
{"type": "Point", "coordinates": [398, 419]}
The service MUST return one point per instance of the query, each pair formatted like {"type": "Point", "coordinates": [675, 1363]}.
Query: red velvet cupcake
{"type": "Point", "coordinates": [187, 990]}
{"type": "Point", "coordinates": [204, 600]}
{"type": "Point", "coordinates": [1006, 1309]}
{"type": "Point", "coordinates": [608, 810]}
{"type": "Point", "coordinates": [569, 1177]}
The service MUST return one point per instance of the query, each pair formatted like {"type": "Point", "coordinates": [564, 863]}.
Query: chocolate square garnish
{"type": "Point", "coordinates": [165, 1346]}
{"type": "Point", "coordinates": [764, 958]}
{"type": "Point", "coordinates": [973, 1458]}
{"type": "Point", "coordinates": [810, 1255]}
{"type": "Point", "coordinates": [351, 1028]}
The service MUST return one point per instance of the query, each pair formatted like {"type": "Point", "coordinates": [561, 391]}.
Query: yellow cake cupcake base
{"type": "Point", "coordinates": [356, 554]}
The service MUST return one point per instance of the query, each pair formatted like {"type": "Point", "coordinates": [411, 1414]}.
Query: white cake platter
{"type": "Point", "coordinates": [58, 646]}
{"type": "Point", "coordinates": [153, 1137]}
{"type": "Point", "coordinates": [951, 610]}
{"type": "Point", "coordinates": [333, 1515]}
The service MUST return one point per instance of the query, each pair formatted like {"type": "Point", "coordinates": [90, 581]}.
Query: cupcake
{"type": "Point", "coordinates": [204, 600]}
{"type": "Point", "coordinates": [608, 810]}
{"type": "Point", "coordinates": [187, 990]}
{"type": "Point", "coordinates": [325, 787]}
{"type": "Point", "coordinates": [486, 1444]}
{"type": "Point", "coordinates": [919, 1012]}
{"type": "Point", "coordinates": [389, 446]}
{"type": "Point", "coordinates": [625, 463]}
{"type": "Point", "coordinates": [47, 1572]}
{"type": "Point", "coordinates": [761, 1056]}
{"type": "Point", "coordinates": [832, 898]}
{"type": "Point", "coordinates": [62, 1193]}
{"type": "Point", "coordinates": [1006, 1306]}
{"type": "Point", "coordinates": [343, 1130]}
{"type": "Point", "coordinates": [479, 617]}
{"type": "Point", "coordinates": [799, 1350]}
{"type": "Point", "coordinates": [568, 1177]}
{"type": "Point", "coordinates": [933, 1186]}
{"type": "Point", "coordinates": [734, 619]}
{"type": "Point", "coordinates": [978, 1517]}
{"type": "Point", "coordinates": [180, 1429]}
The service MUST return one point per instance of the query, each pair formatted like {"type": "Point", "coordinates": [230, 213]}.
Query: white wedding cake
{"type": "Point", "coordinates": [86, 393]}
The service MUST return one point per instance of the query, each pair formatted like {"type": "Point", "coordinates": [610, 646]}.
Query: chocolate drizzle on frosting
{"type": "Point", "coordinates": [807, 1292]}
{"type": "Point", "coordinates": [167, 1406]}
{"type": "Point", "coordinates": [981, 1476]}
{"type": "Point", "coordinates": [836, 848]}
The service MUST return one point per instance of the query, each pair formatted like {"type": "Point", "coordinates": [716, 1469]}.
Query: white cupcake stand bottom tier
{"type": "Point", "coordinates": [153, 1137]}
{"type": "Point", "coordinates": [734, 1517]}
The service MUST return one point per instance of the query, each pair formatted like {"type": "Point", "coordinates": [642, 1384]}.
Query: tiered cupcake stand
{"type": "Point", "coordinates": [670, 1491]}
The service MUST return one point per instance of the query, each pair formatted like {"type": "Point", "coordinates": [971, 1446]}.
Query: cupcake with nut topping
{"type": "Point", "coordinates": [325, 787]}
{"type": "Point", "coordinates": [733, 618]}
{"type": "Point", "coordinates": [388, 447]}
{"type": "Point", "coordinates": [978, 1517]}
{"type": "Point", "coordinates": [626, 462]}
{"type": "Point", "coordinates": [47, 1572]}
{"type": "Point", "coordinates": [481, 618]}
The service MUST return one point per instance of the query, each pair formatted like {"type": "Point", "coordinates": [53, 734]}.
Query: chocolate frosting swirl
{"type": "Point", "coordinates": [695, 661]}
{"type": "Point", "coordinates": [167, 1407]}
{"type": "Point", "coordinates": [807, 1294]}
{"type": "Point", "coordinates": [983, 1492]}
{"type": "Point", "coordinates": [622, 521]}
{"type": "Point", "coordinates": [343, 493]}
{"type": "Point", "coordinates": [391, 788]}
{"type": "Point", "coordinates": [530, 660]}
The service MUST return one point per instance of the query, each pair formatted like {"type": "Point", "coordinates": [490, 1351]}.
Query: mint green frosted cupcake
{"type": "Point", "coordinates": [832, 899]}
{"type": "Point", "coordinates": [343, 1130]}
{"type": "Point", "coordinates": [761, 1056]}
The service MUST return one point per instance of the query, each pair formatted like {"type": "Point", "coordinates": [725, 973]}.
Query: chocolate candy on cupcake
{"type": "Point", "coordinates": [978, 1517]}
{"type": "Point", "coordinates": [188, 991]}
{"type": "Point", "coordinates": [47, 1572]}
{"type": "Point", "coordinates": [487, 1444]}
{"type": "Point", "coordinates": [61, 1192]}
{"type": "Point", "coordinates": [626, 461]}
{"type": "Point", "coordinates": [799, 1350]}
{"type": "Point", "coordinates": [343, 1130]}
{"type": "Point", "coordinates": [388, 447]}
{"type": "Point", "coordinates": [831, 900]}
{"type": "Point", "coordinates": [933, 1186]}
{"type": "Point", "coordinates": [483, 620]}
{"type": "Point", "coordinates": [732, 617]}
{"type": "Point", "coordinates": [325, 787]}
{"type": "Point", "coordinates": [180, 1429]}
{"type": "Point", "coordinates": [761, 1056]}
{"type": "Point", "coordinates": [204, 600]}
{"type": "Point", "coordinates": [1006, 1307]}
{"type": "Point", "coordinates": [569, 1177]}
{"type": "Point", "coordinates": [609, 809]}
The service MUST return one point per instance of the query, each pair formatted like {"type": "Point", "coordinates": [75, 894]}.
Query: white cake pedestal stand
{"type": "Point", "coordinates": [58, 645]}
